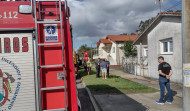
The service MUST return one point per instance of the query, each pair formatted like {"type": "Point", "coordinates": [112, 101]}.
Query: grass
{"type": "Point", "coordinates": [114, 84]}
{"type": "Point", "coordinates": [120, 69]}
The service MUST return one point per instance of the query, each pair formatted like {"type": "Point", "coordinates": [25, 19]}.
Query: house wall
{"type": "Point", "coordinates": [168, 27]}
{"type": "Point", "coordinates": [121, 55]}
{"type": "Point", "coordinates": [142, 68]}
{"type": "Point", "coordinates": [113, 58]}
{"type": "Point", "coordinates": [101, 51]}
{"type": "Point", "coordinates": [140, 53]}
{"type": "Point", "coordinates": [120, 52]}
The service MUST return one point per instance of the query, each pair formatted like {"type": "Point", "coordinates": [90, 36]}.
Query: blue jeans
{"type": "Point", "coordinates": [165, 82]}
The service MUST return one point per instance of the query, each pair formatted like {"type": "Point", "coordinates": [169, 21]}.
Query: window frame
{"type": "Point", "coordinates": [113, 49]}
{"type": "Point", "coordinates": [168, 46]}
{"type": "Point", "coordinates": [145, 49]}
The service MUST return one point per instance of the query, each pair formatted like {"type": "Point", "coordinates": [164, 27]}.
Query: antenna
{"type": "Point", "coordinates": [160, 4]}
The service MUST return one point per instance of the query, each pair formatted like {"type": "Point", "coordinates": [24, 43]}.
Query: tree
{"type": "Point", "coordinates": [129, 49]}
{"type": "Point", "coordinates": [178, 10]}
{"type": "Point", "coordinates": [124, 34]}
{"type": "Point", "coordinates": [133, 34]}
{"type": "Point", "coordinates": [127, 34]}
{"type": "Point", "coordinates": [144, 24]}
{"type": "Point", "coordinates": [85, 48]}
{"type": "Point", "coordinates": [82, 49]}
{"type": "Point", "coordinates": [170, 11]}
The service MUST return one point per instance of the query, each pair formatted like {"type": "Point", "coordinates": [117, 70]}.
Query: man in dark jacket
{"type": "Point", "coordinates": [98, 68]}
{"type": "Point", "coordinates": [108, 67]}
{"type": "Point", "coordinates": [165, 71]}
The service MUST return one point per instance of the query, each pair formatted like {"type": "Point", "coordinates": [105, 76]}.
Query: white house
{"type": "Point", "coordinates": [162, 38]}
{"type": "Point", "coordinates": [103, 46]}
{"type": "Point", "coordinates": [112, 47]}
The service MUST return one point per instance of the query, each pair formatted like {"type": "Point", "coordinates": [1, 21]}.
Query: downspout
{"type": "Point", "coordinates": [141, 58]}
{"type": "Point", "coordinates": [118, 55]}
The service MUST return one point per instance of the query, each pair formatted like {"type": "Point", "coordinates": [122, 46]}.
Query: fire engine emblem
{"type": "Point", "coordinates": [6, 88]}
{"type": "Point", "coordinates": [10, 83]}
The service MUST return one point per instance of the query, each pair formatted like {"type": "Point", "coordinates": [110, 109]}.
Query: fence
{"type": "Point", "coordinates": [130, 65]}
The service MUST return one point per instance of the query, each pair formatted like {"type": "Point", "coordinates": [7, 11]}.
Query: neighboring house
{"type": "Point", "coordinates": [103, 46]}
{"type": "Point", "coordinates": [112, 47]}
{"type": "Point", "coordinates": [161, 38]}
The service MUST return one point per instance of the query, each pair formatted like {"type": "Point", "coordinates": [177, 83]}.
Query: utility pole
{"type": "Point", "coordinates": [91, 51]}
{"type": "Point", "coordinates": [186, 53]}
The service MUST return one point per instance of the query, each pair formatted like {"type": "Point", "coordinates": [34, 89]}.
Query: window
{"type": "Point", "coordinates": [113, 49]}
{"type": "Point", "coordinates": [166, 46]}
{"type": "Point", "coordinates": [145, 52]}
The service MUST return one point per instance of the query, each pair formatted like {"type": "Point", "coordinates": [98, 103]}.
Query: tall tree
{"type": "Point", "coordinates": [133, 34]}
{"type": "Point", "coordinates": [144, 24]}
{"type": "Point", "coordinates": [124, 34]}
{"type": "Point", "coordinates": [170, 11]}
{"type": "Point", "coordinates": [85, 48]}
{"type": "Point", "coordinates": [82, 49]}
{"type": "Point", "coordinates": [178, 11]}
{"type": "Point", "coordinates": [129, 49]}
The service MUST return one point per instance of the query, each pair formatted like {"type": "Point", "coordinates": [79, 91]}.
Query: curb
{"type": "Point", "coordinates": [94, 103]}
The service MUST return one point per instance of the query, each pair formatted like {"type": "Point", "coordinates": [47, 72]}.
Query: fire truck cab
{"type": "Point", "coordinates": [36, 60]}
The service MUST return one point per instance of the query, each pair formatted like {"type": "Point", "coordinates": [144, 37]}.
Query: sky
{"type": "Point", "coordinates": [94, 19]}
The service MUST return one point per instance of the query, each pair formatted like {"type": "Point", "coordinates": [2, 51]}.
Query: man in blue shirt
{"type": "Point", "coordinates": [104, 66]}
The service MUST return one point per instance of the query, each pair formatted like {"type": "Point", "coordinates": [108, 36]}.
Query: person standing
{"type": "Point", "coordinates": [98, 68]}
{"type": "Point", "coordinates": [104, 66]}
{"type": "Point", "coordinates": [165, 72]}
{"type": "Point", "coordinates": [108, 67]}
{"type": "Point", "coordinates": [85, 66]}
{"type": "Point", "coordinates": [89, 64]}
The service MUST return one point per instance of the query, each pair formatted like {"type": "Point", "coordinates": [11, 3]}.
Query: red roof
{"type": "Point", "coordinates": [122, 38]}
{"type": "Point", "coordinates": [105, 41]}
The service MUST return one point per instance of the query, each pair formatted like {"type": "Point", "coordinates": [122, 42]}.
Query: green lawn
{"type": "Point", "coordinates": [114, 84]}
{"type": "Point", "coordinates": [120, 69]}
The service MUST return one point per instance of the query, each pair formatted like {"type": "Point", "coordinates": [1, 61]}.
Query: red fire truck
{"type": "Point", "coordinates": [36, 61]}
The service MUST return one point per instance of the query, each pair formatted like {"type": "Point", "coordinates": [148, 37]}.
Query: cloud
{"type": "Point", "coordinates": [94, 19]}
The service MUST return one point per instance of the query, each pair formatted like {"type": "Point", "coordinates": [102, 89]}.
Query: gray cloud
{"type": "Point", "coordinates": [94, 19]}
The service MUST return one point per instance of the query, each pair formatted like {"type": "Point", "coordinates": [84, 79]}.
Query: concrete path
{"type": "Point", "coordinates": [136, 102]}
{"type": "Point", "coordinates": [85, 101]}
{"type": "Point", "coordinates": [141, 101]}
{"type": "Point", "coordinates": [176, 88]}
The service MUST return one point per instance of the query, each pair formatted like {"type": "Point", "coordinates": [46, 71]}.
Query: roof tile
{"type": "Point", "coordinates": [121, 38]}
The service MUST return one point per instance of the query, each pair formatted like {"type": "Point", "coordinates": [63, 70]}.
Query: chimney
{"type": "Point", "coordinates": [137, 32]}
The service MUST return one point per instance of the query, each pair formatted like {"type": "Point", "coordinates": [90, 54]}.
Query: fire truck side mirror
{"type": "Point", "coordinates": [25, 9]}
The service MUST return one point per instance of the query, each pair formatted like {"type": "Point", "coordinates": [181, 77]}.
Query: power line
{"type": "Point", "coordinates": [174, 6]}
